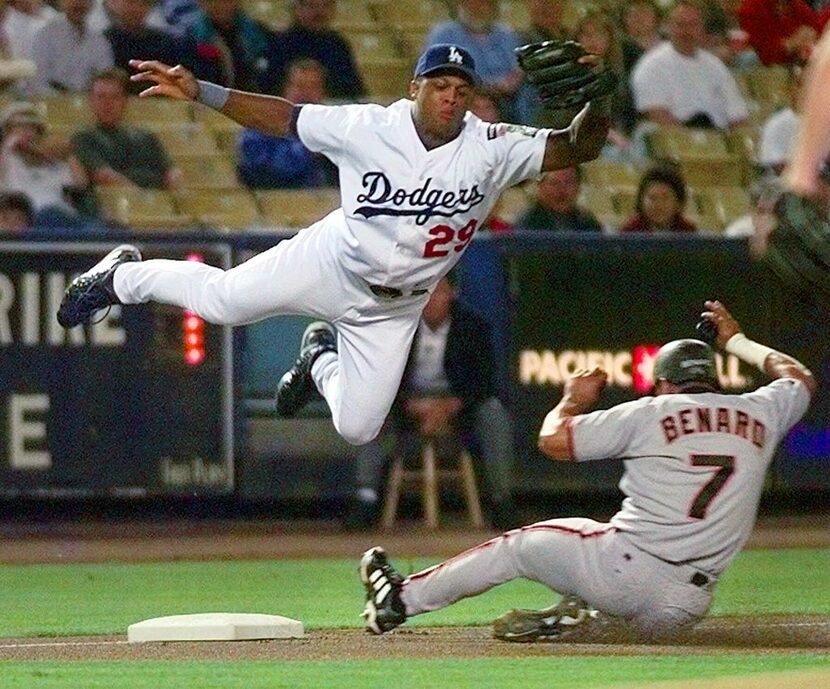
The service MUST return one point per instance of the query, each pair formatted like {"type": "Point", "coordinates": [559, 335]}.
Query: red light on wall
{"type": "Point", "coordinates": [194, 330]}
{"type": "Point", "coordinates": [642, 367]}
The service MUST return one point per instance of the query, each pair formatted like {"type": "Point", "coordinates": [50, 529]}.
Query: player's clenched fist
{"type": "Point", "coordinates": [175, 82]}
{"type": "Point", "coordinates": [584, 387]}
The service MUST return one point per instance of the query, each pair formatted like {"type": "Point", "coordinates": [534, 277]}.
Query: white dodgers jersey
{"type": "Point", "coordinates": [694, 466]}
{"type": "Point", "coordinates": [408, 213]}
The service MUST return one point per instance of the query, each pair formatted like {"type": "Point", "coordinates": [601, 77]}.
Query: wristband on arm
{"type": "Point", "coordinates": [212, 95]}
{"type": "Point", "coordinates": [747, 350]}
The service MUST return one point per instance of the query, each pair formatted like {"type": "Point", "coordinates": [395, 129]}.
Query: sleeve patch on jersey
{"type": "Point", "coordinates": [496, 130]}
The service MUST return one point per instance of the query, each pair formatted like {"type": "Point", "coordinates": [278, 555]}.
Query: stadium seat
{"type": "Point", "coordinates": [724, 171]}
{"type": "Point", "coordinates": [354, 14]}
{"type": "Point", "coordinates": [721, 205]}
{"type": "Point", "coordinates": [187, 139]}
{"type": "Point", "coordinates": [70, 110]}
{"type": "Point", "coordinates": [143, 112]}
{"type": "Point", "coordinates": [387, 79]}
{"type": "Point", "coordinates": [208, 172]}
{"type": "Point", "coordinates": [226, 208]}
{"type": "Point", "coordinates": [146, 209]}
{"type": "Point", "coordinates": [605, 173]}
{"type": "Point", "coordinates": [375, 44]}
{"type": "Point", "coordinates": [676, 143]}
{"type": "Point", "coordinates": [769, 86]}
{"type": "Point", "coordinates": [410, 15]}
{"type": "Point", "coordinates": [275, 15]}
{"type": "Point", "coordinates": [296, 207]}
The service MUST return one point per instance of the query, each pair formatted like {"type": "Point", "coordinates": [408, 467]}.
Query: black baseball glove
{"type": "Point", "coordinates": [554, 68]}
{"type": "Point", "coordinates": [799, 248]}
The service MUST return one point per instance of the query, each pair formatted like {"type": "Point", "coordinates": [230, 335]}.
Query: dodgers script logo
{"type": "Point", "coordinates": [424, 203]}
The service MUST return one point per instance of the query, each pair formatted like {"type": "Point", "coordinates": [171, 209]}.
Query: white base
{"type": "Point", "coordinates": [215, 626]}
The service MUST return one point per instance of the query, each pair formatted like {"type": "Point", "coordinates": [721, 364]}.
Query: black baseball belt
{"type": "Point", "coordinates": [394, 292]}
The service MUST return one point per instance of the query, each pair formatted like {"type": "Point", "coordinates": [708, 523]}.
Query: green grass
{"type": "Point", "coordinates": [60, 600]}
{"type": "Point", "coordinates": [505, 673]}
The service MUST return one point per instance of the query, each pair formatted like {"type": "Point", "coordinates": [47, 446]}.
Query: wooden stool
{"type": "Point", "coordinates": [430, 476]}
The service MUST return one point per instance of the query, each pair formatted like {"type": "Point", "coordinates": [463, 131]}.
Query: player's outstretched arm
{"type": "Point", "coordinates": [730, 338]}
{"type": "Point", "coordinates": [580, 143]}
{"type": "Point", "coordinates": [269, 114]}
{"type": "Point", "coordinates": [813, 141]}
{"type": "Point", "coordinates": [581, 393]}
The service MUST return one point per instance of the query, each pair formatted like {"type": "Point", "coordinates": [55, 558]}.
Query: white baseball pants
{"type": "Point", "coordinates": [302, 276]}
{"type": "Point", "coordinates": [573, 556]}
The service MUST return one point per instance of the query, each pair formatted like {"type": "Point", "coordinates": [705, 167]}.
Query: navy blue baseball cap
{"type": "Point", "coordinates": [442, 58]}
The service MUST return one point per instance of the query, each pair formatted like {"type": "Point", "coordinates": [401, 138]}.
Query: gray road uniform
{"type": "Point", "coordinates": [694, 471]}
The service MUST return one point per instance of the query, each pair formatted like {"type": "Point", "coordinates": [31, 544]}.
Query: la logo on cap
{"type": "Point", "coordinates": [455, 56]}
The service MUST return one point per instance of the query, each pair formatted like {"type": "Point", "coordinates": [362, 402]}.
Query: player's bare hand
{"type": "Point", "coordinates": [174, 82]}
{"type": "Point", "coordinates": [584, 387]}
{"type": "Point", "coordinates": [726, 324]}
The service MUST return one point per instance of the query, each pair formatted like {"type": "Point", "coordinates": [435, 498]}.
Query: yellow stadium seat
{"type": "Point", "coordinates": [722, 204]}
{"type": "Point", "coordinates": [208, 172]}
{"type": "Point", "coordinates": [186, 139]}
{"type": "Point", "coordinates": [70, 109]}
{"type": "Point", "coordinates": [624, 199]}
{"type": "Point", "coordinates": [770, 86]}
{"type": "Point", "coordinates": [723, 171]}
{"type": "Point", "coordinates": [375, 44]}
{"type": "Point", "coordinates": [389, 78]}
{"type": "Point", "coordinates": [296, 207]}
{"type": "Point", "coordinates": [515, 14]}
{"type": "Point", "coordinates": [275, 15]}
{"type": "Point", "coordinates": [603, 173]}
{"type": "Point", "coordinates": [353, 14]}
{"type": "Point", "coordinates": [597, 200]}
{"type": "Point", "coordinates": [409, 15]}
{"type": "Point", "coordinates": [676, 143]}
{"type": "Point", "coordinates": [147, 209]}
{"type": "Point", "coordinates": [143, 112]}
{"type": "Point", "coordinates": [225, 208]}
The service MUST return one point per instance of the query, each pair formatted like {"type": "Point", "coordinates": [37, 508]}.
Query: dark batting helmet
{"type": "Point", "coordinates": [686, 361]}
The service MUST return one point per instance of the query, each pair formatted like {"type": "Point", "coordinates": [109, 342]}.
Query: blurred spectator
{"type": "Point", "coordinates": [21, 20]}
{"type": "Point", "coordinates": [16, 213]}
{"type": "Point", "coordinates": [556, 206]}
{"type": "Point", "coordinates": [491, 44]}
{"type": "Point", "coordinates": [678, 82]}
{"type": "Point", "coordinates": [778, 133]}
{"type": "Point", "coordinates": [597, 33]}
{"type": "Point", "coordinates": [759, 224]}
{"type": "Point", "coordinates": [661, 200]}
{"type": "Point", "coordinates": [176, 16]}
{"type": "Point", "coordinates": [44, 171]}
{"type": "Point", "coordinates": [780, 32]}
{"type": "Point", "coordinates": [130, 37]}
{"type": "Point", "coordinates": [114, 154]}
{"type": "Point", "coordinates": [545, 21]}
{"type": "Point", "coordinates": [310, 35]}
{"type": "Point", "coordinates": [231, 48]}
{"type": "Point", "coordinates": [67, 53]}
{"type": "Point", "coordinates": [283, 162]}
{"type": "Point", "coordinates": [640, 20]}
{"type": "Point", "coordinates": [449, 383]}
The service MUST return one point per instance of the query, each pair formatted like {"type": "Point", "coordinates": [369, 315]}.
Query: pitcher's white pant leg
{"type": "Point", "coordinates": [297, 276]}
{"type": "Point", "coordinates": [361, 382]}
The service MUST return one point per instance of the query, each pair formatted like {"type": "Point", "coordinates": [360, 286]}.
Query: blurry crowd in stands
{"type": "Point", "coordinates": [729, 68]}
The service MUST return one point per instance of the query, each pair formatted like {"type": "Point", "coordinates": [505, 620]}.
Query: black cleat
{"type": "Point", "coordinates": [384, 608]}
{"type": "Point", "coordinates": [92, 290]}
{"type": "Point", "coordinates": [296, 387]}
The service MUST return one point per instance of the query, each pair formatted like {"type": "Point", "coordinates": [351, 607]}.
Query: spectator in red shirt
{"type": "Point", "coordinates": [780, 31]}
{"type": "Point", "coordinates": [661, 198]}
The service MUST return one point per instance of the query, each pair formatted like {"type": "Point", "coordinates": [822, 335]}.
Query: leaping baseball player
{"type": "Point", "coordinates": [695, 460]}
{"type": "Point", "coordinates": [417, 179]}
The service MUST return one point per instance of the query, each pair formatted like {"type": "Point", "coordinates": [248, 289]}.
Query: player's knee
{"type": "Point", "coordinates": [358, 431]}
